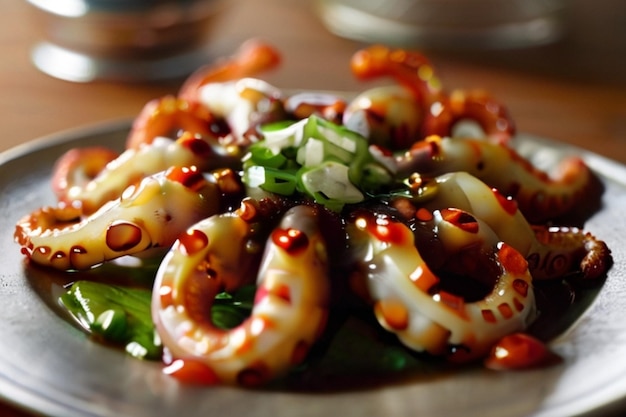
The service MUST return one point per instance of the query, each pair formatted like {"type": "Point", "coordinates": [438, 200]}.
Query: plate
{"type": "Point", "coordinates": [50, 367]}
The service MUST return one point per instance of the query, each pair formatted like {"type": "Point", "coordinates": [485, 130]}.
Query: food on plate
{"type": "Point", "coordinates": [274, 216]}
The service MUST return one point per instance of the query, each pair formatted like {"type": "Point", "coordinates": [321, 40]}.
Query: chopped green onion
{"type": "Point", "coordinates": [325, 161]}
{"type": "Point", "coordinates": [281, 135]}
{"type": "Point", "coordinates": [263, 156]}
{"type": "Point", "coordinates": [116, 314]}
{"type": "Point", "coordinates": [271, 180]}
{"type": "Point", "coordinates": [329, 182]}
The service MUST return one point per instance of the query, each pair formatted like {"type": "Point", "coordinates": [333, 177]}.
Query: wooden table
{"type": "Point", "coordinates": [573, 91]}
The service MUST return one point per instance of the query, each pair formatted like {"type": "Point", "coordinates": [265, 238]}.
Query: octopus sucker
{"type": "Point", "coordinates": [148, 216]}
{"type": "Point", "coordinates": [290, 306]}
{"type": "Point", "coordinates": [551, 251]}
{"type": "Point", "coordinates": [539, 196]}
{"type": "Point", "coordinates": [147, 159]}
{"type": "Point", "coordinates": [393, 265]}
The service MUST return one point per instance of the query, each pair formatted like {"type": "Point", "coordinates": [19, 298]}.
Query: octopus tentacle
{"type": "Point", "coordinates": [243, 104]}
{"type": "Point", "coordinates": [147, 216]}
{"type": "Point", "coordinates": [148, 159]}
{"type": "Point", "coordinates": [552, 252]}
{"type": "Point", "coordinates": [565, 248]}
{"type": "Point", "coordinates": [252, 57]}
{"type": "Point", "coordinates": [290, 307]}
{"type": "Point", "coordinates": [476, 105]}
{"type": "Point", "coordinates": [411, 69]}
{"type": "Point", "coordinates": [440, 112]}
{"type": "Point", "coordinates": [411, 301]}
{"type": "Point", "coordinates": [540, 196]}
{"type": "Point", "coordinates": [169, 116]}
{"type": "Point", "coordinates": [77, 167]}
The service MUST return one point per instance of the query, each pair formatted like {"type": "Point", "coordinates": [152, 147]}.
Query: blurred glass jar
{"type": "Point", "coordinates": [123, 40]}
{"type": "Point", "coordinates": [446, 24]}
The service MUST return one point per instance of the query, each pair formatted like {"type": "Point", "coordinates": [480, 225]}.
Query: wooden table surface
{"type": "Point", "coordinates": [572, 91]}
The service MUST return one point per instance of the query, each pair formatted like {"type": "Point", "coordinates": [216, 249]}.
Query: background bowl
{"type": "Point", "coordinates": [128, 40]}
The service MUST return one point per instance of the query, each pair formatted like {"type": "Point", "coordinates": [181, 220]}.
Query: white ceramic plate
{"type": "Point", "coordinates": [50, 367]}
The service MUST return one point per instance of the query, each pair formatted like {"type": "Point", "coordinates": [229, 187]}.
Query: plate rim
{"type": "Point", "coordinates": [601, 165]}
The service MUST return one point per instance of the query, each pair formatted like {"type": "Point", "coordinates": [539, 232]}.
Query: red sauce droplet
{"type": "Point", "coordinates": [424, 215]}
{"type": "Point", "coordinates": [190, 177]}
{"type": "Point", "coordinates": [291, 240]}
{"type": "Point", "coordinates": [392, 232]}
{"type": "Point", "coordinates": [520, 351]}
{"type": "Point", "coordinates": [191, 372]}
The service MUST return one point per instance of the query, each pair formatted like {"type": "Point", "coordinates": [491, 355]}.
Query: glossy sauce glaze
{"type": "Point", "coordinates": [354, 352]}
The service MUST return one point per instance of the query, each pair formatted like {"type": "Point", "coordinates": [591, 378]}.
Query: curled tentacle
{"type": "Point", "coordinates": [147, 216]}
{"type": "Point", "coordinates": [551, 252]}
{"type": "Point", "coordinates": [79, 166]}
{"type": "Point", "coordinates": [476, 105]}
{"type": "Point", "coordinates": [148, 159]}
{"type": "Point", "coordinates": [170, 116]}
{"type": "Point", "coordinates": [290, 307]}
{"type": "Point", "coordinates": [411, 69]}
{"type": "Point", "coordinates": [569, 245]}
{"type": "Point", "coordinates": [251, 58]}
{"type": "Point", "coordinates": [439, 112]}
{"type": "Point", "coordinates": [540, 196]}
{"type": "Point", "coordinates": [243, 104]}
{"type": "Point", "coordinates": [413, 301]}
